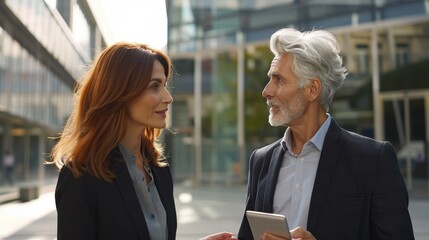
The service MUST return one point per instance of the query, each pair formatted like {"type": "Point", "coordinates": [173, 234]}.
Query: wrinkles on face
{"type": "Point", "coordinates": [285, 100]}
{"type": "Point", "coordinates": [283, 112]}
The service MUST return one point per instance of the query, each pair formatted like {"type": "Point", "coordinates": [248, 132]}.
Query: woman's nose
{"type": "Point", "coordinates": [167, 97]}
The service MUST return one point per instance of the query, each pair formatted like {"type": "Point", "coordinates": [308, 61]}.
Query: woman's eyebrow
{"type": "Point", "coordinates": [158, 79]}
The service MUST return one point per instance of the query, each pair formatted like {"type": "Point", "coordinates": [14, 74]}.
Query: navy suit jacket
{"type": "Point", "coordinates": [89, 208]}
{"type": "Point", "coordinates": [359, 192]}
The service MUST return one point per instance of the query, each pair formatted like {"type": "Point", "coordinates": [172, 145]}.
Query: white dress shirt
{"type": "Point", "coordinates": [296, 178]}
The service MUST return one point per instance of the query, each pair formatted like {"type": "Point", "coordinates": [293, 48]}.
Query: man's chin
{"type": "Point", "coordinates": [275, 123]}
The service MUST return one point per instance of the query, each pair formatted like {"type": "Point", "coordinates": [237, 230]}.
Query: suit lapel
{"type": "Point", "coordinates": [158, 184]}
{"type": "Point", "coordinates": [126, 189]}
{"type": "Point", "coordinates": [273, 173]}
{"type": "Point", "coordinates": [325, 169]}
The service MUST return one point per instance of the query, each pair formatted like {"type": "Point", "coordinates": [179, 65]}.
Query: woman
{"type": "Point", "coordinates": [114, 181]}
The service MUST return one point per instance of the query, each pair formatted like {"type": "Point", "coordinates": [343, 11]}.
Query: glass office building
{"type": "Point", "coordinates": [221, 56]}
{"type": "Point", "coordinates": [44, 47]}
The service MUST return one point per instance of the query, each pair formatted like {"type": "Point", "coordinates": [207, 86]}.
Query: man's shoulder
{"type": "Point", "coordinates": [360, 138]}
{"type": "Point", "coordinates": [269, 148]}
{"type": "Point", "coordinates": [344, 134]}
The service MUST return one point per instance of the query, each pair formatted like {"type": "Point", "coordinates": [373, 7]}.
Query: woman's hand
{"type": "Point", "coordinates": [220, 236]}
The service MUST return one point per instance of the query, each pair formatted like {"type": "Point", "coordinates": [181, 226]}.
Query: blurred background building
{"type": "Point", "coordinates": [44, 48]}
{"type": "Point", "coordinates": [221, 56]}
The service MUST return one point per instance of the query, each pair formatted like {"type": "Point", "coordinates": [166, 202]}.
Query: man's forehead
{"type": "Point", "coordinates": [274, 66]}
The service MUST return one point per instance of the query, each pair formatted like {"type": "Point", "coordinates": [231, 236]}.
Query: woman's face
{"type": "Point", "coordinates": [150, 108]}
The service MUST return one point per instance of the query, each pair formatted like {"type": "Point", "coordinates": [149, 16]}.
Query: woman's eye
{"type": "Point", "coordinates": [154, 86]}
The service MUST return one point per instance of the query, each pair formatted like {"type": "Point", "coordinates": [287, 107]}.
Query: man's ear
{"type": "Point", "coordinates": [315, 88]}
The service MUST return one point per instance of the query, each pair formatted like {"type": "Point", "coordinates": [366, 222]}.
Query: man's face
{"type": "Point", "coordinates": [286, 101]}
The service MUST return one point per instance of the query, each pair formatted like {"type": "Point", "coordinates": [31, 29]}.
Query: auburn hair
{"type": "Point", "coordinates": [97, 124]}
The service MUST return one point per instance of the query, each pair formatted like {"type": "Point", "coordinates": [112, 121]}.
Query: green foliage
{"type": "Point", "coordinates": [256, 111]}
{"type": "Point", "coordinates": [411, 76]}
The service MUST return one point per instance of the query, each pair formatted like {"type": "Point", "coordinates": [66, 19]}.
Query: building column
{"type": "Point", "coordinates": [198, 114]}
{"type": "Point", "coordinates": [7, 137]}
{"type": "Point", "coordinates": [240, 106]}
{"type": "Point", "coordinates": [378, 115]}
{"type": "Point", "coordinates": [41, 143]}
{"type": "Point", "coordinates": [26, 157]}
{"type": "Point", "coordinates": [392, 49]}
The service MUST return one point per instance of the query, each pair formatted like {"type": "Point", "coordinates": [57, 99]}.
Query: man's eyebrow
{"type": "Point", "coordinates": [273, 73]}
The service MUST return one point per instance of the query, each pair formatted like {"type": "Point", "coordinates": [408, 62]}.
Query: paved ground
{"type": "Point", "coordinates": [201, 211]}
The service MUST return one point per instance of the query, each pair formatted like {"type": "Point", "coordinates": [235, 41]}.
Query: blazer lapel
{"type": "Point", "coordinates": [126, 189]}
{"type": "Point", "coordinates": [328, 159]}
{"type": "Point", "coordinates": [273, 173]}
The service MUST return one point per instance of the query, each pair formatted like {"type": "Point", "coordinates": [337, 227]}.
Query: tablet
{"type": "Point", "coordinates": [261, 222]}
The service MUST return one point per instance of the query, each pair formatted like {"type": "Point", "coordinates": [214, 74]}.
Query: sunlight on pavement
{"type": "Point", "coordinates": [187, 215]}
{"type": "Point", "coordinates": [16, 215]}
{"type": "Point", "coordinates": [210, 212]}
{"type": "Point", "coordinates": [185, 197]}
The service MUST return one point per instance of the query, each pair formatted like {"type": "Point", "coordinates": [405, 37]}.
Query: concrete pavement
{"type": "Point", "coordinates": [200, 212]}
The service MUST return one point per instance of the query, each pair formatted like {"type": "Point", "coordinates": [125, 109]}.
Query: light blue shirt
{"type": "Point", "coordinates": [147, 194]}
{"type": "Point", "coordinates": [296, 178]}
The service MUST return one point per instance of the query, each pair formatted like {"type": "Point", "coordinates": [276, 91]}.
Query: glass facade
{"type": "Point", "coordinates": [52, 32]}
{"type": "Point", "coordinates": [28, 89]}
{"type": "Point", "coordinates": [41, 57]}
{"type": "Point", "coordinates": [220, 52]}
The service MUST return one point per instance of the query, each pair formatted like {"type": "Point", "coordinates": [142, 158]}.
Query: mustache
{"type": "Point", "coordinates": [271, 103]}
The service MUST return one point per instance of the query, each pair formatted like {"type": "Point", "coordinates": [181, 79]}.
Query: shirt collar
{"type": "Point", "coordinates": [130, 158]}
{"type": "Point", "coordinates": [318, 139]}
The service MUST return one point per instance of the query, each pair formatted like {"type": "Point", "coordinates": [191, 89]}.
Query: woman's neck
{"type": "Point", "coordinates": [132, 144]}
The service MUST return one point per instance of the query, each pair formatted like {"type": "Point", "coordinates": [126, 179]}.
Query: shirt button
{"type": "Point", "coordinates": [297, 185]}
{"type": "Point", "coordinates": [148, 189]}
{"type": "Point", "coordinates": [301, 159]}
{"type": "Point", "coordinates": [152, 216]}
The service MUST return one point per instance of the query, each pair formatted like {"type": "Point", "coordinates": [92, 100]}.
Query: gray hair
{"type": "Point", "coordinates": [316, 55]}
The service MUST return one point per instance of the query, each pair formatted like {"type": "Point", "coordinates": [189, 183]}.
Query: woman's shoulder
{"type": "Point", "coordinates": [67, 179]}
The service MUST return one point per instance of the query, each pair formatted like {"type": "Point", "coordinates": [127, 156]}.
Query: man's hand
{"type": "Point", "coordinates": [220, 236]}
{"type": "Point", "coordinates": [298, 233]}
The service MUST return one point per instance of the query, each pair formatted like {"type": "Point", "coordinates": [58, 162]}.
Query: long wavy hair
{"type": "Point", "coordinates": [99, 120]}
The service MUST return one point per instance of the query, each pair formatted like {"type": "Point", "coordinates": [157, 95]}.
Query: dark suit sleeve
{"type": "Point", "coordinates": [245, 232]}
{"type": "Point", "coordinates": [390, 218]}
{"type": "Point", "coordinates": [75, 219]}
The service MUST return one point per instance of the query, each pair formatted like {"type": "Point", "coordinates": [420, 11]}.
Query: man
{"type": "Point", "coordinates": [333, 183]}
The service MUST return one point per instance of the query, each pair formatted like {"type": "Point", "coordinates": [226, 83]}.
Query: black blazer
{"type": "Point", "coordinates": [358, 193]}
{"type": "Point", "coordinates": [89, 208]}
